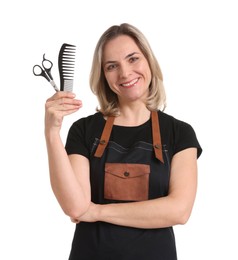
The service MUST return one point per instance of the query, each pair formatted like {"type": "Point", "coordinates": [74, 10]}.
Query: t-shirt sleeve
{"type": "Point", "coordinates": [186, 138]}
{"type": "Point", "coordinates": [76, 140]}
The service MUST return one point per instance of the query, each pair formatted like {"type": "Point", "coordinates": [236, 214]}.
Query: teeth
{"type": "Point", "coordinates": [130, 83]}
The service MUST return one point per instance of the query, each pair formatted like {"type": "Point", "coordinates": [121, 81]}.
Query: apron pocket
{"type": "Point", "coordinates": [126, 181]}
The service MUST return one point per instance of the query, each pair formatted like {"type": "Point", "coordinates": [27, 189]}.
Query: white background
{"type": "Point", "coordinates": [197, 47]}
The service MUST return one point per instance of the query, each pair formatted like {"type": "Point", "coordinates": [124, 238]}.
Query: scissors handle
{"type": "Point", "coordinates": [38, 71]}
{"type": "Point", "coordinates": [47, 65]}
{"type": "Point", "coordinates": [45, 71]}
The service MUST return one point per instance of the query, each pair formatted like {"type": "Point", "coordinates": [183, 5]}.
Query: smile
{"type": "Point", "coordinates": [130, 84]}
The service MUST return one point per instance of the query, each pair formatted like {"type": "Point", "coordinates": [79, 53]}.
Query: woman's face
{"type": "Point", "coordinates": [126, 69]}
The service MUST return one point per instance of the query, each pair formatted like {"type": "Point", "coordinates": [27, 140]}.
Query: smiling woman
{"type": "Point", "coordinates": [128, 173]}
{"type": "Point", "coordinates": [126, 70]}
{"type": "Point", "coordinates": [138, 52]}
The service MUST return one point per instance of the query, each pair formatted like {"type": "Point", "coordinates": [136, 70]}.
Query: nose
{"type": "Point", "coordinates": [124, 70]}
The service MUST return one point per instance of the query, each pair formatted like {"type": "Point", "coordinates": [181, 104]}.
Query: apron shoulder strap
{"type": "Point", "coordinates": [105, 137]}
{"type": "Point", "coordinates": [156, 136]}
{"type": "Point", "coordinates": [155, 133]}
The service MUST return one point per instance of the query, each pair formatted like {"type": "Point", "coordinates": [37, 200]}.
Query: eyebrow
{"type": "Point", "coordinates": [127, 56]}
{"type": "Point", "coordinates": [131, 54]}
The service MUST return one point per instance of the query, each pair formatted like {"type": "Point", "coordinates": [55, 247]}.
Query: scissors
{"type": "Point", "coordinates": [45, 71]}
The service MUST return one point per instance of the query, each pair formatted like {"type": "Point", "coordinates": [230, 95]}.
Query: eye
{"type": "Point", "coordinates": [111, 67]}
{"type": "Point", "coordinates": [133, 59]}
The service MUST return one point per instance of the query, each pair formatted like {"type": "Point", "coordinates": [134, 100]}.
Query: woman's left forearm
{"type": "Point", "coordinates": [157, 213]}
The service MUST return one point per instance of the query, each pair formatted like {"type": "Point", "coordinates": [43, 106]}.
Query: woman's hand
{"type": "Point", "coordinates": [59, 105]}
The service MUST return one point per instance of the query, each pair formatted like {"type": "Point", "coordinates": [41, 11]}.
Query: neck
{"type": "Point", "coordinates": [132, 115]}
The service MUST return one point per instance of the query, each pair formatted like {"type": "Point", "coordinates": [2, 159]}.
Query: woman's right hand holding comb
{"type": "Point", "coordinates": [69, 177]}
{"type": "Point", "coordinates": [59, 105]}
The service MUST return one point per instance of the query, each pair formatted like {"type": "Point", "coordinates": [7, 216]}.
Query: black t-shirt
{"type": "Point", "coordinates": [103, 241]}
{"type": "Point", "coordinates": [176, 134]}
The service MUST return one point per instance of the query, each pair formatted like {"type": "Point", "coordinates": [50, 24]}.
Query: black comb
{"type": "Point", "coordinates": [66, 63]}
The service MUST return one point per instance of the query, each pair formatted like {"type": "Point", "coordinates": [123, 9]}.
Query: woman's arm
{"type": "Point", "coordinates": [69, 175]}
{"type": "Point", "coordinates": [157, 213]}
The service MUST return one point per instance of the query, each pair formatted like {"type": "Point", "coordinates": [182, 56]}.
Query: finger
{"type": "Point", "coordinates": [69, 101]}
{"type": "Point", "coordinates": [59, 111]}
{"type": "Point", "coordinates": [61, 94]}
{"type": "Point", "coordinates": [63, 102]}
{"type": "Point", "coordinates": [67, 107]}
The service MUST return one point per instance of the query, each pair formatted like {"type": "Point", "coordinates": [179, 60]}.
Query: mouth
{"type": "Point", "coordinates": [130, 83]}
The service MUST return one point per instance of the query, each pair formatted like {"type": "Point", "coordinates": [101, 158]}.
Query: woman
{"type": "Point", "coordinates": [128, 173]}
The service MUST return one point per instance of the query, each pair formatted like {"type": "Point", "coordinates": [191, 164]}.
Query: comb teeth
{"type": "Point", "coordinates": [66, 62]}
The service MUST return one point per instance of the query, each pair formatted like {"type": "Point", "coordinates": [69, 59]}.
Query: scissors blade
{"type": "Point", "coordinates": [54, 85]}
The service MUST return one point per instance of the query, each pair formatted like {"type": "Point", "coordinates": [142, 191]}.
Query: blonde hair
{"type": "Point", "coordinates": [108, 100]}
